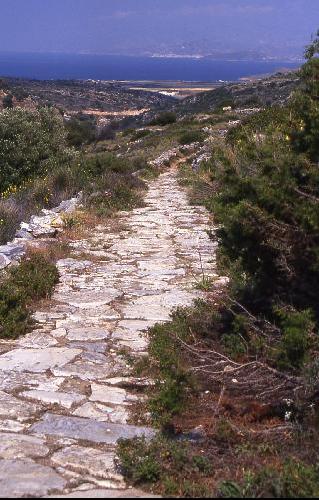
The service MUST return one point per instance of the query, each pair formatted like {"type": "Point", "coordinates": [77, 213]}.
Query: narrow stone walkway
{"type": "Point", "coordinates": [65, 388]}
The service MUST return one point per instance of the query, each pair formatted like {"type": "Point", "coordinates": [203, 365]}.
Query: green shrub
{"type": "Point", "coordinates": [31, 143]}
{"type": "Point", "coordinates": [268, 230]}
{"type": "Point", "coordinates": [7, 101]}
{"type": "Point", "coordinates": [106, 181]}
{"type": "Point", "coordinates": [139, 461]}
{"type": "Point", "coordinates": [140, 134]}
{"type": "Point", "coordinates": [80, 131]}
{"type": "Point", "coordinates": [41, 194]}
{"type": "Point", "coordinates": [234, 345]}
{"type": "Point", "coordinates": [264, 196]}
{"type": "Point", "coordinates": [297, 328]}
{"type": "Point", "coordinates": [226, 433]}
{"type": "Point", "coordinates": [225, 102]}
{"type": "Point", "coordinates": [311, 374]}
{"type": "Point", "coordinates": [169, 467]}
{"type": "Point", "coordinates": [294, 480]}
{"type": "Point", "coordinates": [115, 190]}
{"type": "Point", "coordinates": [168, 362]}
{"type": "Point", "coordinates": [14, 316]}
{"type": "Point", "coordinates": [65, 182]}
{"type": "Point", "coordinates": [165, 118]}
{"type": "Point", "coordinates": [191, 136]}
{"type": "Point", "coordinates": [172, 379]}
{"type": "Point", "coordinates": [70, 221]}
{"type": "Point", "coordinates": [128, 131]}
{"type": "Point", "coordinates": [33, 279]}
{"type": "Point", "coordinates": [305, 135]}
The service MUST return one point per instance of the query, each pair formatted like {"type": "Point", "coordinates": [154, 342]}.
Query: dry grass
{"type": "Point", "coordinates": [52, 250]}
{"type": "Point", "coordinates": [10, 216]}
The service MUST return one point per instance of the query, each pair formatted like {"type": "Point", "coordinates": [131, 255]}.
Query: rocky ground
{"type": "Point", "coordinates": [66, 388]}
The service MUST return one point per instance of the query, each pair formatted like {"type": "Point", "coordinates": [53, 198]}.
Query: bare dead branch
{"type": "Point", "coordinates": [307, 195]}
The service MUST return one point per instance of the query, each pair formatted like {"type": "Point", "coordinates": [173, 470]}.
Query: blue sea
{"type": "Point", "coordinates": [101, 67]}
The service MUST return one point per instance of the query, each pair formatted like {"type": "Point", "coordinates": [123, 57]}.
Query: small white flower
{"type": "Point", "coordinates": [288, 402]}
{"type": "Point", "coordinates": [288, 416]}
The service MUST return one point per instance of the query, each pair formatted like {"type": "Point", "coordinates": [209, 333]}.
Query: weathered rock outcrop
{"type": "Point", "coordinates": [45, 225]}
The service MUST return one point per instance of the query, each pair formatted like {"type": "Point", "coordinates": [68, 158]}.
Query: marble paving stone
{"type": "Point", "coordinates": [110, 395]}
{"type": "Point", "coordinates": [60, 398]}
{"type": "Point", "coordinates": [87, 429]}
{"type": "Point", "coordinates": [90, 300]}
{"type": "Point", "coordinates": [15, 446]}
{"type": "Point", "coordinates": [129, 382]}
{"type": "Point", "coordinates": [74, 264]}
{"type": "Point", "coordinates": [19, 478]}
{"type": "Point", "coordinates": [134, 326]}
{"type": "Point", "coordinates": [99, 464]}
{"type": "Point", "coordinates": [96, 357]}
{"type": "Point", "coordinates": [36, 360]}
{"type": "Point", "coordinates": [115, 415]}
{"type": "Point", "coordinates": [86, 370]}
{"type": "Point", "coordinates": [13, 381]}
{"type": "Point", "coordinates": [37, 340]}
{"type": "Point", "coordinates": [92, 347]}
{"type": "Point", "coordinates": [12, 426]}
{"type": "Point", "coordinates": [89, 334]}
{"type": "Point", "coordinates": [58, 333]}
{"type": "Point", "coordinates": [13, 408]}
{"type": "Point", "coordinates": [136, 346]}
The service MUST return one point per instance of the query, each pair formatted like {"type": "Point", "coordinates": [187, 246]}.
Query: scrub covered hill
{"type": "Point", "coordinates": [254, 93]}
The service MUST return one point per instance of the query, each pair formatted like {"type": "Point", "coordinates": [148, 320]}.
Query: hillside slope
{"type": "Point", "coordinates": [268, 91]}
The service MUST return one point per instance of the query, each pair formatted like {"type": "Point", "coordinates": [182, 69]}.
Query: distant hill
{"type": "Point", "coordinates": [76, 96]}
{"type": "Point", "coordinates": [255, 92]}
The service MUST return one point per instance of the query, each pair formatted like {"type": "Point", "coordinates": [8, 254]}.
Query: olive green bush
{"type": "Point", "coordinates": [171, 468]}
{"type": "Point", "coordinates": [31, 144]}
{"type": "Point", "coordinates": [264, 194]}
{"type": "Point", "coordinates": [294, 480]}
{"type": "Point", "coordinates": [164, 118]}
{"type": "Point", "coordinates": [33, 279]}
{"type": "Point", "coordinates": [191, 136]}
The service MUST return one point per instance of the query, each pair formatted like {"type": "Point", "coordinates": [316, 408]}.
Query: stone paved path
{"type": "Point", "coordinates": [65, 389]}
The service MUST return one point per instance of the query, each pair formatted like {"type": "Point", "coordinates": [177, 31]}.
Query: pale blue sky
{"type": "Point", "coordinates": [137, 26]}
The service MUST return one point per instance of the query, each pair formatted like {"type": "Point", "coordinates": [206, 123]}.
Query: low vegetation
{"type": "Point", "coordinates": [31, 144]}
{"type": "Point", "coordinates": [107, 184]}
{"type": "Point", "coordinates": [293, 480]}
{"type": "Point", "coordinates": [81, 130]}
{"type": "Point", "coordinates": [140, 134]}
{"type": "Point", "coordinates": [169, 468]}
{"type": "Point", "coordinates": [165, 118]}
{"type": "Point", "coordinates": [191, 136]}
{"type": "Point", "coordinates": [20, 287]}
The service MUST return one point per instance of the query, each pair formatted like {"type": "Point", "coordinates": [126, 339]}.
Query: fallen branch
{"type": "Point", "coordinates": [307, 195]}
{"type": "Point", "coordinates": [253, 379]}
